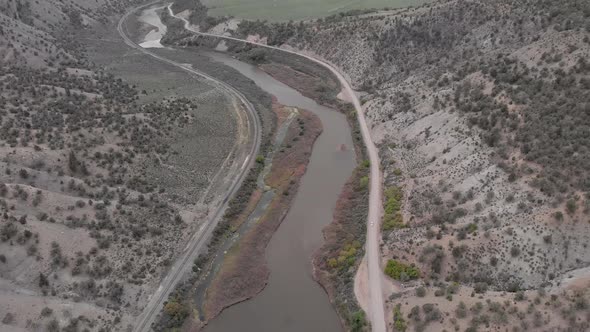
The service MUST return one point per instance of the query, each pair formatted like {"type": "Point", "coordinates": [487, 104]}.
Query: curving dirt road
{"type": "Point", "coordinates": [201, 236]}
{"type": "Point", "coordinates": [376, 302]}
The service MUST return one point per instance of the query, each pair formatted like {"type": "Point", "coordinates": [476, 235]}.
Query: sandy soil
{"type": "Point", "coordinates": [361, 289]}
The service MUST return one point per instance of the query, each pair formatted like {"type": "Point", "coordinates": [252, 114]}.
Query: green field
{"type": "Point", "coordinates": [283, 10]}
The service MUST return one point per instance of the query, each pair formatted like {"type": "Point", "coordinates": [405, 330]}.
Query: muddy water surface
{"type": "Point", "coordinates": [292, 300]}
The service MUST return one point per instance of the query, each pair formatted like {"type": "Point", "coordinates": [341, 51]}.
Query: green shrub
{"type": "Point", "coordinates": [358, 321]}
{"type": "Point", "coordinates": [401, 271]}
{"type": "Point", "coordinates": [399, 323]}
{"type": "Point", "coordinates": [364, 182]}
{"type": "Point", "coordinates": [420, 291]}
{"type": "Point", "coordinates": [481, 287]}
{"type": "Point", "coordinates": [392, 217]}
{"type": "Point", "coordinates": [461, 311]}
{"type": "Point", "coordinates": [177, 311]}
{"type": "Point", "coordinates": [346, 256]}
{"type": "Point", "coordinates": [558, 215]}
{"type": "Point", "coordinates": [571, 206]}
{"type": "Point", "coordinates": [393, 221]}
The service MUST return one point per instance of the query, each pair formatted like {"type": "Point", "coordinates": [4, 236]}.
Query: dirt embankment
{"type": "Point", "coordinates": [322, 90]}
{"type": "Point", "coordinates": [244, 272]}
{"type": "Point", "coordinates": [336, 262]}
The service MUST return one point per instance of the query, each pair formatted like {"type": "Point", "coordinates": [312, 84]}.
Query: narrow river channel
{"type": "Point", "coordinates": [292, 300]}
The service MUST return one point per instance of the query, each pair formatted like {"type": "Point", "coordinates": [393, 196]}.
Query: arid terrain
{"type": "Point", "coordinates": [480, 111]}
{"type": "Point", "coordinates": [110, 161]}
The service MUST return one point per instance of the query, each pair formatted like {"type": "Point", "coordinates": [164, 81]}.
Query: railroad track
{"type": "Point", "coordinates": [201, 236]}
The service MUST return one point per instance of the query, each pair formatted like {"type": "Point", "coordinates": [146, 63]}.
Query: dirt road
{"type": "Point", "coordinates": [376, 303]}
{"type": "Point", "coordinates": [201, 237]}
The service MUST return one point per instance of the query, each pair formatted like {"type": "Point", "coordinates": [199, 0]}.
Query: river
{"type": "Point", "coordinates": [292, 300]}
{"type": "Point", "coordinates": [150, 16]}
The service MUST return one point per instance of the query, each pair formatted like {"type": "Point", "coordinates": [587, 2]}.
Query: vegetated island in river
{"type": "Point", "coordinates": [243, 272]}
{"type": "Point", "coordinates": [336, 262]}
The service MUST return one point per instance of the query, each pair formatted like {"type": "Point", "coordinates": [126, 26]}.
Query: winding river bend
{"type": "Point", "coordinates": [292, 300]}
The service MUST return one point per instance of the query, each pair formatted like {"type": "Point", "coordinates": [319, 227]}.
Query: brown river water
{"type": "Point", "coordinates": [292, 300]}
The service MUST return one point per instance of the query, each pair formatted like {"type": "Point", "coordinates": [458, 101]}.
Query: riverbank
{"type": "Point", "coordinates": [337, 261]}
{"type": "Point", "coordinates": [304, 79]}
{"type": "Point", "coordinates": [234, 269]}
{"type": "Point", "coordinates": [244, 272]}
{"type": "Point", "coordinates": [317, 83]}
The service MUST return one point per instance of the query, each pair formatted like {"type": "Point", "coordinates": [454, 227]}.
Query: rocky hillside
{"type": "Point", "coordinates": [39, 33]}
{"type": "Point", "coordinates": [98, 187]}
{"type": "Point", "coordinates": [481, 110]}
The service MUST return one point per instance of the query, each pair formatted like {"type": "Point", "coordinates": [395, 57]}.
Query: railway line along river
{"type": "Point", "coordinates": [292, 300]}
